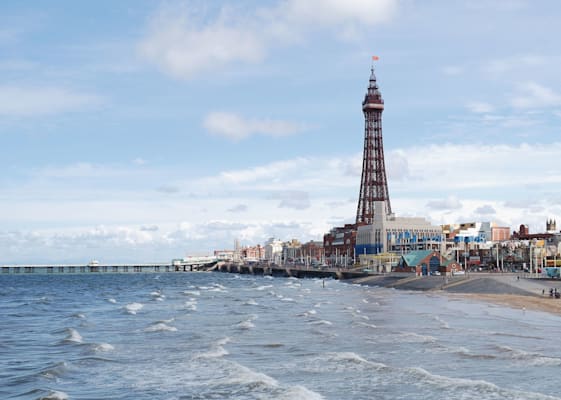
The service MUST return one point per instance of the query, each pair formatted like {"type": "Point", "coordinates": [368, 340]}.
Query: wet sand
{"type": "Point", "coordinates": [545, 304]}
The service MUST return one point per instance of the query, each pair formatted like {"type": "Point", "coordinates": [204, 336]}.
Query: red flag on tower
{"type": "Point", "coordinates": [375, 58]}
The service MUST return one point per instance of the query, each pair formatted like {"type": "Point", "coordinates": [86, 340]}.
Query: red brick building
{"type": "Point", "coordinates": [339, 245]}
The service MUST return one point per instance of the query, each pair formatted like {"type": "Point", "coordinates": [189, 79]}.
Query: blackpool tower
{"type": "Point", "coordinates": [373, 184]}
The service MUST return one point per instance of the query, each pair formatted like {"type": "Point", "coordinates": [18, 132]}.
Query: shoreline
{"type": "Point", "coordinates": [518, 302]}
{"type": "Point", "coordinates": [507, 290]}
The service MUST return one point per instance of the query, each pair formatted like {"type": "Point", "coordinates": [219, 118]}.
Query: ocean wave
{"type": "Point", "coordinates": [133, 308]}
{"type": "Point", "coordinates": [73, 336]}
{"type": "Point", "coordinates": [250, 302]}
{"type": "Point", "coordinates": [412, 337]}
{"type": "Point", "coordinates": [44, 300]}
{"type": "Point", "coordinates": [529, 358]}
{"type": "Point", "coordinates": [54, 395]}
{"type": "Point", "coordinates": [366, 324]}
{"type": "Point", "coordinates": [54, 371]}
{"type": "Point", "coordinates": [478, 387]}
{"type": "Point", "coordinates": [245, 325]}
{"type": "Point", "coordinates": [299, 392]}
{"type": "Point", "coordinates": [103, 347]}
{"type": "Point", "coordinates": [160, 327]}
{"type": "Point", "coordinates": [112, 300]}
{"type": "Point", "coordinates": [263, 287]}
{"type": "Point", "coordinates": [216, 350]}
{"type": "Point", "coordinates": [321, 322]}
{"type": "Point", "coordinates": [190, 305]}
{"type": "Point", "coordinates": [243, 376]}
{"type": "Point", "coordinates": [443, 324]}
{"type": "Point", "coordinates": [192, 292]}
{"type": "Point", "coordinates": [219, 286]}
{"type": "Point", "coordinates": [343, 361]}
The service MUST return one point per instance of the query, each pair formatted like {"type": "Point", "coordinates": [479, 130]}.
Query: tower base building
{"type": "Point", "coordinates": [400, 235]}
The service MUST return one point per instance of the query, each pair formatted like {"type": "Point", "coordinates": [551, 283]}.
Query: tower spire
{"type": "Point", "coordinates": [373, 185]}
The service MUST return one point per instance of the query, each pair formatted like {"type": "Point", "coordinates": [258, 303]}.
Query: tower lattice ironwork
{"type": "Point", "coordinates": [373, 184]}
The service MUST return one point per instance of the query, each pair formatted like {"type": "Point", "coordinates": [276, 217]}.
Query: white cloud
{"type": "Point", "coordinates": [327, 13]}
{"type": "Point", "coordinates": [450, 203]}
{"type": "Point", "coordinates": [238, 208]}
{"type": "Point", "coordinates": [487, 209]}
{"type": "Point", "coordinates": [501, 66]}
{"type": "Point", "coordinates": [296, 199]}
{"type": "Point", "coordinates": [480, 107]}
{"type": "Point", "coordinates": [534, 95]}
{"type": "Point", "coordinates": [397, 166]}
{"type": "Point", "coordinates": [169, 189]}
{"type": "Point", "coordinates": [28, 101]}
{"type": "Point", "coordinates": [236, 127]}
{"type": "Point", "coordinates": [185, 43]}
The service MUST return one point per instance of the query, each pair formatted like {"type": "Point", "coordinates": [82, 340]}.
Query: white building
{"type": "Point", "coordinates": [389, 233]}
{"type": "Point", "coordinates": [273, 250]}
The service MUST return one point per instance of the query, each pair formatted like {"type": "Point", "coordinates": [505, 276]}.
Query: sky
{"type": "Point", "coordinates": [142, 130]}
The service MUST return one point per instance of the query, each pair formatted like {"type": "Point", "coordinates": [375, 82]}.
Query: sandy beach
{"type": "Point", "coordinates": [546, 303]}
{"type": "Point", "coordinates": [509, 290]}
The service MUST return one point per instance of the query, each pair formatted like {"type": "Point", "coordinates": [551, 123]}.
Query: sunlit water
{"type": "Point", "coordinates": [226, 336]}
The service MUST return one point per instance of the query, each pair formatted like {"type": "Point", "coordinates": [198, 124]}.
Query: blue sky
{"type": "Point", "coordinates": [145, 130]}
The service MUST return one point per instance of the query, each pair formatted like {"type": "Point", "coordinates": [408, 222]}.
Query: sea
{"type": "Point", "coordinates": [227, 336]}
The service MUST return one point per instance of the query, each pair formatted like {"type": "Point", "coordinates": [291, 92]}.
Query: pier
{"type": "Point", "coordinates": [96, 268]}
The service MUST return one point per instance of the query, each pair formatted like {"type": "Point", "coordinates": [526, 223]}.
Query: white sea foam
{"type": "Point", "coordinates": [321, 322]}
{"type": "Point", "coordinates": [299, 392]}
{"type": "Point", "coordinates": [367, 325]}
{"type": "Point", "coordinates": [191, 305]}
{"type": "Point", "coordinates": [73, 336]}
{"type": "Point", "coordinates": [251, 302]}
{"type": "Point", "coordinates": [79, 315]}
{"type": "Point", "coordinates": [412, 337]}
{"type": "Point", "coordinates": [217, 349]}
{"type": "Point", "coordinates": [133, 308]}
{"type": "Point", "coordinates": [104, 347]}
{"type": "Point", "coordinates": [529, 358]}
{"type": "Point", "coordinates": [112, 300]}
{"type": "Point", "coordinates": [443, 324]}
{"type": "Point", "coordinates": [245, 376]}
{"type": "Point", "coordinates": [160, 327]}
{"type": "Point", "coordinates": [263, 287]}
{"type": "Point", "coordinates": [54, 395]}
{"type": "Point", "coordinates": [480, 388]}
{"type": "Point", "coordinates": [245, 325]}
{"type": "Point", "coordinates": [192, 292]}
{"type": "Point", "coordinates": [349, 360]}
{"type": "Point", "coordinates": [288, 299]}
{"type": "Point", "coordinates": [358, 315]}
